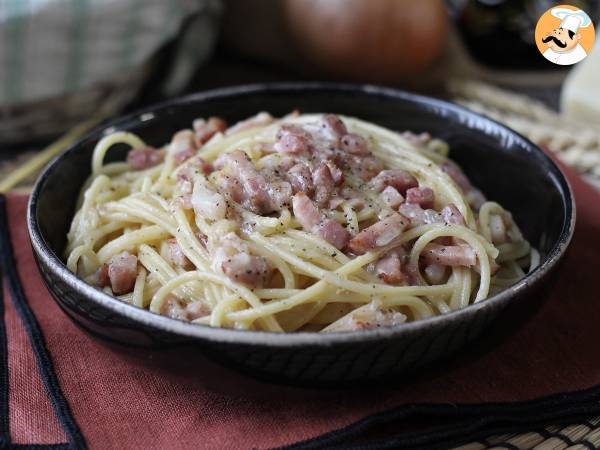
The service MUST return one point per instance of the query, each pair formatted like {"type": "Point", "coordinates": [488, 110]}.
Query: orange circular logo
{"type": "Point", "coordinates": [564, 35]}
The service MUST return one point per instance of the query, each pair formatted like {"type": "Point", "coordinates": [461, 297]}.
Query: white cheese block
{"type": "Point", "coordinates": [580, 96]}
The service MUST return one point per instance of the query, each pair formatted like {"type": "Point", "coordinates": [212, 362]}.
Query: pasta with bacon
{"type": "Point", "coordinates": [310, 222]}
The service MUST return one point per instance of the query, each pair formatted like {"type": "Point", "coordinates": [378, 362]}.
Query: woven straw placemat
{"type": "Point", "coordinates": [576, 145]}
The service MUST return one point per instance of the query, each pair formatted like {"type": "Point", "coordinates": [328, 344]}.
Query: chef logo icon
{"type": "Point", "coordinates": [564, 35]}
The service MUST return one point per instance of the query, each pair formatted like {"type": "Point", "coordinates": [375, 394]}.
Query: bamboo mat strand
{"type": "Point", "coordinates": [576, 144]}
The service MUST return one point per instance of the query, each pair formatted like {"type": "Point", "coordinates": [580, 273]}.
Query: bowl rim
{"type": "Point", "coordinates": [49, 259]}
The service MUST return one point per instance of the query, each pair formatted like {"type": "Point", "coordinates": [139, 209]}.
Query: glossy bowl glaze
{"type": "Point", "coordinates": [507, 167]}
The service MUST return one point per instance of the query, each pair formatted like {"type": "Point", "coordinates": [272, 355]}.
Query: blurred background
{"type": "Point", "coordinates": [68, 62]}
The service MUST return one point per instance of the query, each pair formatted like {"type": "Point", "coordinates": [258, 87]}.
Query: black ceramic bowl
{"type": "Point", "coordinates": [507, 167]}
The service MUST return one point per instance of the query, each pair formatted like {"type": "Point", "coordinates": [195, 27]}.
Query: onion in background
{"type": "Point", "coordinates": [375, 40]}
{"type": "Point", "coordinates": [385, 41]}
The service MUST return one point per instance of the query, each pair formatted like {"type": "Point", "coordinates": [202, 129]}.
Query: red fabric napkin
{"type": "Point", "coordinates": [114, 397]}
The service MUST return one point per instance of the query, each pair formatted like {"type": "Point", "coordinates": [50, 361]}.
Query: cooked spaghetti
{"type": "Point", "coordinates": [310, 222]}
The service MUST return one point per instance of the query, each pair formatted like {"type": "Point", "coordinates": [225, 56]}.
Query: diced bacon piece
{"type": "Point", "coordinates": [336, 173]}
{"type": "Point", "coordinates": [259, 120]}
{"type": "Point", "coordinates": [305, 211]}
{"type": "Point", "coordinates": [309, 218]}
{"type": "Point", "coordinates": [183, 155]}
{"type": "Point", "coordinates": [435, 273]}
{"type": "Point", "coordinates": [452, 215]}
{"type": "Point", "coordinates": [229, 186]}
{"type": "Point", "coordinates": [355, 144]}
{"type": "Point", "coordinates": [253, 271]}
{"type": "Point", "coordinates": [203, 166]}
{"type": "Point", "coordinates": [474, 195]}
{"type": "Point", "coordinates": [280, 194]}
{"type": "Point", "coordinates": [334, 233]}
{"type": "Point", "coordinates": [219, 163]}
{"type": "Point", "coordinates": [278, 164]}
{"type": "Point", "coordinates": [332, 127]}
{"type": "Point", "coordinates": [449, 255]}
{"type": "Point", "coordinates": [402, 254]}
{"type": "Point", "coordinates": [183, 194]}
{"type": "Point", "coordinates": [177, 256]}
{"type": "Point", "coordinates": [378, 234]}
{"type": "Point", "coordinates": [206, 129]}
{"type": "Point", "coordinates": [173, 308]}
{"type": "Point", "coordinates": [232, 256]}
{"type": "Point", "coordinates": [412, 273]}
{"type": "Point", "coordinates": [122, 270]}
{"type": "Point", "coordinates": [184, 201]}
{"type": "Point", "coordinates": [419, 216]}
{"type": "Point", "coordinates": [389, 268]}
{"type": "Point", "coordinates": [422, 196]}
{"type": "Point", "coordinates": [399, 179]}
{"type": "Point", "coordinates": [350, 194]}
{"type": "Point", "coordinates": [301, 179]}
{"type": "Point", "coordinates": [193, 167]}
{"type": "Point", "coordinates": [183, 146]}
{"type": "Point", "coordinates": [275, 163]}
{"type": "Point", "coordinates": [367, 317]}
{"type": "Point", "coordinates": [239, 163]}
{"type": "Point", "coordinates": [196, 310]}
{"type": "Point", "coordinates": [254, 193]}
{"type": "Point", "coordinates": [184, 184]}
{"type": "Point", "coordinates": [494, 266]}
{"type": "Point", "coordinates": [101, 278]}
{"type": "Point", "coordinates": [323, 183]}
{"type": "Point", "coordinates": [420, 139]}
{"type": "Point", "coordinates": [335, 202]}
{"type": "Point", "coordinates": [370, 168]}
{"type": "Point", "coordinates": [391, 197]}
{"type": "Point", "coordinates": [380, 319]}
{"type": "Point", "coordinates": [144, 158]}
{"type": "Point", "coordinates": [447, 240]}
{"type": "Point", "coordinates": [384, 318]}
{"type": "Point", "coordinates": [364, 167]}
{"type": "Point", "coordinates": [208, 203]}
{"type": "Point", "coordinates": [414, 213]}
{"type": "Point", "coordinates": [182, 142]}
{"type": "Point", "coordinates": [231, 243]}
{"type": "Point", "coordinates": [292, 139]}
{"type": "Point", "coordinates": [457, 175]}
{"type": "Point", "coordinates": [498, 229]}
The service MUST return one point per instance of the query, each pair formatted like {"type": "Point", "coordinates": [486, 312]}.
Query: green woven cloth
{"type": "Point", "coordinates": [49, 48]}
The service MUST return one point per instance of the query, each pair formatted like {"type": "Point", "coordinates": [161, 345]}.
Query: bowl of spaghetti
{"type": "Point", "coordinates": [312, 232]}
